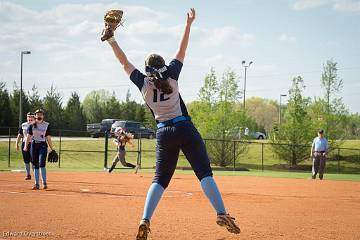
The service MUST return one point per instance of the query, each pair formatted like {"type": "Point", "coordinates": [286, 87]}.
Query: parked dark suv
{"type": "Point", "coordinates": [135, 128]}
{"type": "Point", "coordinates": [98, 129]}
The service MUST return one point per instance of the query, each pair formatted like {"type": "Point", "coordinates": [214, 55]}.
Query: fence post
{"type": "Point", "coordinates": [262, 156]}
{"type": "Point", "coordinates": [9, 147]}
{"type": "Point", "coordinates": [234, 155]}
{"type": "Point", "coordinates": [338, 158]}
{"type": "Point", "coordinates": [106, 149]}
{"type": "Point", "coordinates": [59, 147]}
{"type": "Point", "coordinates": [139, 152]}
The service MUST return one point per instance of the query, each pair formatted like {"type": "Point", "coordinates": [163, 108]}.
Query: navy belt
{"type": "Point", "coordinates": [34, 141]}
{"type": "Point", "coordinates": [173, 121]}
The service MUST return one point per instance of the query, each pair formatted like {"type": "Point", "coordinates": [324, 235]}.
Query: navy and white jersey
{"type": "Point", "coordinates": [163, 106]}
{"type": "Point", "coordinates": [23, 130]}
{"type": "Point", "coordinates": [40, 132]}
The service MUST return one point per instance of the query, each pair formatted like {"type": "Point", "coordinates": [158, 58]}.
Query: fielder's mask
{"type": "Point", "coordinates": [161, 73]}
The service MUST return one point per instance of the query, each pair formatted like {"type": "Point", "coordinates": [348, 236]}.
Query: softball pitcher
{"type": "Point", "coordinates": [120, 141]}
{"type": "Point", "coordinates": [39, 136]}
{"type": "Point", "coordinates": [159, 88]}
{"type": "Point", "coordinates": [22, 136]}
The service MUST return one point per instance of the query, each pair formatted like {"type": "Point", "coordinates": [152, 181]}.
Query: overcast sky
{"type": "Point", "coordinates": [283, 38]}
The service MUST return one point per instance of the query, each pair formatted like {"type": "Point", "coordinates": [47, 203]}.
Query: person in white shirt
{"type": "Point", "coordinates": [319, 151]}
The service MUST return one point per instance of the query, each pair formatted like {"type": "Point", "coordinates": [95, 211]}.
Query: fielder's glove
{"type": "Point", "coordinates": [112, 19]}
{"type": "Point", "coordinates": [53, 156]}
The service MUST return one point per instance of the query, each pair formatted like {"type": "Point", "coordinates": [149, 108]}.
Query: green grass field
{"type": "Point", "coordinates": [75, 158]}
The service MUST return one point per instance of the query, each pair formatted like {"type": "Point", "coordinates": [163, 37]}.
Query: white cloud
{"type": "Point", "coordinates": [337, 5]}
{"type": "Point", "coordinates": [224, 35]}
{"type": "Point", "coordinates": [347, 6]}
{"type": "Point", "coordinates": [286, 38]}
{"type": "Point", "coordinates": [67, 51]}
{"type": "Point", "coordinates": [307, 4]}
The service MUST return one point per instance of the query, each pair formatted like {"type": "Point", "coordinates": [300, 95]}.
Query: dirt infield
{"type": "Point", "coordinates": [103, 206]}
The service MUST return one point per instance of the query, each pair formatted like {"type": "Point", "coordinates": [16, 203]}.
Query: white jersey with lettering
{"type": "Point", "coordinates": [23, 130]}
{"type": "Point", "coordinates": [163, 106]}
{"type": "Point", "coordinates": [39, 132]}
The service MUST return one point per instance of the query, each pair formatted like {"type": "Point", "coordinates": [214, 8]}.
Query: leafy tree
{"type": "Point", "coordinates": [34, 99]}
{"type": "Point", "coordinates": [216, 113]}
{"type": "Point", "coordinates": [6, 118]}
{"type": "Point", "coordinates": [291, 139]}
{"type": "Point", "coordinates": [14, 105]}
{"type": "Point", "coordinates": [229, 89]}
{"type": "Point", "coordinates": [74, 118]}
{"type": "Point", "coordinates": [53, 108]}
{"type": "Point", "coordinates": [149, 120]}
{"type": "Point", "coordinates": [112, 107]}
{"type": "Point", "coordinates": [332, 112]}
{"type": "Point", "coordinates": [101, 104]}
{"type": "Point", "coordinates": [353, 127]}
{"type": "Point", "coordinates": [140, 113]}
{"type": "Point", "coordinates": [208, 93]}
{"type": "Point", "coordinates": [263, 111]}
{"type": "Point", "coordinates": [94, 105]}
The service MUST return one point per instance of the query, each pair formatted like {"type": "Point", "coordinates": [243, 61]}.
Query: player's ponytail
{"type": "Point", "coordinates": [157, 62]}
{"type": "Point", "coordinates": [163, 85]}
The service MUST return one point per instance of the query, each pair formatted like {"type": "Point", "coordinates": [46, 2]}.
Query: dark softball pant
{"type": "Point", "coordinates": [38, 154]}
{"type": "Point", "coordinates": [319, 163]}
{"type": "Point", "coordinates": [26, 154]}
{"type": "Point", "coordinates": [169, 141]}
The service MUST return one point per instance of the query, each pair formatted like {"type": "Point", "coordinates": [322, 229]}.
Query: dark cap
{"type": "Point", "coordinates": [321, 131]}
{"type": "Point", "coordinates": [39, 111]}
{"type": "Point", "coordinates": [30, 114]}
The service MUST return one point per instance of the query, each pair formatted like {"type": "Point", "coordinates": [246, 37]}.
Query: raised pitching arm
{"type": "Point", "coordinates": [180, 54]}
{"type": "Point", "coordinates": [120, 55]}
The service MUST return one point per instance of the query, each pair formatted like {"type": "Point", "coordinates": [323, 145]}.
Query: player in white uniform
{"type": "Point", "coordinates": [39, 136]}
{"type": "Point", "coordinates": [22, 133]}
{"type": "Point", "coordinates": [122, 138]}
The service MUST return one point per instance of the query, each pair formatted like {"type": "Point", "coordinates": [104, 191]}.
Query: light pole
{"type": "Point", "coordinates": [245, 67]}
{"type": "Point", "coordinates": [281, 95]}
{"type": "Point", "coordinates": [20, 98]}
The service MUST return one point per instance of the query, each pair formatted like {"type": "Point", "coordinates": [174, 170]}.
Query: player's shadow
{"type": "Point", "coordinates": [95, 193]}
{"type": "Point", "coordinates": [87, 183]}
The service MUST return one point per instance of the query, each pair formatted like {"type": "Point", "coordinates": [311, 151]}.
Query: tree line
{"type": "Point", "coordinates": [74, 114]}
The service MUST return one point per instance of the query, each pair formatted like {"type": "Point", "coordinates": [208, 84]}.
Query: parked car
{"type": "Point", "coordinates": [245, 133]}
{"type": "Point", "coordinates": [136, 128]}
{"type": "Point", "coordinates": [98, 129]}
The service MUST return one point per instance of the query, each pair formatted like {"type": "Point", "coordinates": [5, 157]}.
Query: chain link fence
{"type": "Point", "coordinates": [77, 151]}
